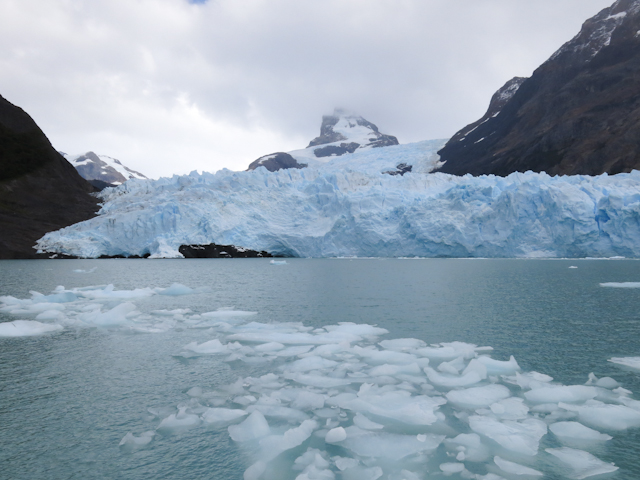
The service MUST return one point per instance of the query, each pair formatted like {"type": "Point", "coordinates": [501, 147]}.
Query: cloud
{"type": "Point", "coordinates": [168, 86]}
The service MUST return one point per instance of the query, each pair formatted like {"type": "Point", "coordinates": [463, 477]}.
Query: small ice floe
{"type": "Point", "coordinates": [175, 289]}
{"type": "Point", "coordinates": [515, 468]}
{"type": "Point", "coordinates": [576, 431]}
{"type": "Point", "coordinates": [27, 328]}
{"type": "Point", "coordinates": [178, 422]}
{"type": "Point", "coordinates": [582, 464]}
{"type": "Point", "coordinates": [573, 266]}
{"type": "Point", "coordinates": [631, 363]}
{"type": "Point", "coordinates": [278, 262]}
{"type": "Point", "coordinates": [131, 442]}
{"type": "Point", "coordinates": [80, 270]}
{"type": "Point", "coordinates": [621, 284]}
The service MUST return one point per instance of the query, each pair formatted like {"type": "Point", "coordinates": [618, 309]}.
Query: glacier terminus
{"type": "Point", "coordinates": [347, 206]}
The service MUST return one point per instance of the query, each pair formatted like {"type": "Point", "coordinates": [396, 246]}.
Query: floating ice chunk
{"type": "Point", "coordinates": [171, 313]}
{"type": "Point", "coordinates": [470, 445]}
{"type": "Point", "coordinates": [573, 266]}
{"type": "Point", "coordinates": [477, 397]}
{"type": "Point", "coordinates": [314, 466]}
{"type": "Point", "coordinates": [118, 315]}
{"type": "Point", "coordinates": [222, 416]}
{"type": "Point", "coordinates": [131, 442]}
{"type": "Point", "coordinates": [278, 262]}
{"type": "Point", "coordinates": [254, 427]}
{"type": "Point", "coordinates": [604, 382]}
{"type": "Point", "coordinates": [508, 409]}
{"type": "Point", "coordinates": [449, 351]}
{"type": "Point", "coordinates": [362, 473]}
{"type": "Point", "coordinates": [109, 292]}
{"type": "Point", "coordinates": [394, 370]}
{"type": "Point", "coordinates": [255, 471]}
{"type": "Point", "coordinates": [319, 381]}
{"type": "Point", "coordinates": [398, 406]}
{"type": "Point", "coordinates": [335, 435]}
{"type": "Point", "coordinates": [452, 381]}
{"type": "Point", "coordinates": [561, 393]}
{"type": "Point", "coordinates": [269, 347]}
{"type": "Point", "coordinates": [632, 363]}
{"type": "Point", "coordinates": [309, 363]}
{"type": "Point", "coordinates": [303, 399]}
{"type": "Point", "coordinates": [529, 380]}
{"type": "Point", "coordinates": [213, 347]}
{"type": "Point", "coordinates": [605, 416]}
{"type": "Point", "coordinates": [225, 312]}
{"type": "Point", "coordinates": [274, 445]}
{"type": "Point", "coordinates": [518, 437]}
{"type": "Point", "coordinates": [497, 367]}
{"type": "Point", "coordinates": [279, 412]}
{"type": "Point", "coordinates": [621, 284]}
{"type": "Point", "coordinates": [80, 270]}
{"type": "Point", "coordinates": [582, 464]}
{"type": "Point", "coordinates": [178, 422]}
{"type": "Point", "coordinates": [363, 422]}
{"type": "Point", "coordinates": [27, 328]}
{"type": "Point", "coordinates": [50, 315]}
{"type": "Point", "coordinates": [451, 468]}
{"type": "Point", "coordinates": [575, 430]}
{"type": "Point", "coordinates": [343, 463]}
{"type": "Point", "coordinates": [453, 367]}
{"type": "Point", "coordinates": [515, 468]}
{"type": "Point", "coordinates": [402, 344]}
{"type": "Point", "coordinates": [390, 446]}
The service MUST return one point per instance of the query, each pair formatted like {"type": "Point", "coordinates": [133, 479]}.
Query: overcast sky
{"type": "Point", "coordinates": [171, 86]}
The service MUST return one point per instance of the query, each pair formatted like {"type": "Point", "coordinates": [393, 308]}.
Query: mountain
{"type": "Point", "coordinates": [579, 113]}
{"type": "Point", "coordinates": [341, 133]}
{"type": "Point", "coordinates": [39, 190]}
{"type": "Point", "coordinates": [105, 171]}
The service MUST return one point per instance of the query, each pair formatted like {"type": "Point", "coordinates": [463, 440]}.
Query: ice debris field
{"type": "Point", "coordinates": [348, 206]}
{"type": "Point", "coordinates": [342, 402]}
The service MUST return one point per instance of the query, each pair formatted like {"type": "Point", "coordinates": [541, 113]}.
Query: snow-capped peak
{"type": "Point", "coordinates": [101, 167]}
{"type": "Point", "coordinates": [351, 130]}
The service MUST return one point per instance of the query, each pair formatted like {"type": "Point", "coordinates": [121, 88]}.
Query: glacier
{"type": "Point", "coordinates": [347, 207]}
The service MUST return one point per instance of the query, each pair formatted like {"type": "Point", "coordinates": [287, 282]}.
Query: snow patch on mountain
{"type": "Point", "coordinates": [101, 167]}
{"type": "Point", "coordinates": [597, 31]}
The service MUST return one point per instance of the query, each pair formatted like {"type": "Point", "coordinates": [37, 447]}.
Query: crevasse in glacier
{"type": "Point", "coordinates": [348, 207]}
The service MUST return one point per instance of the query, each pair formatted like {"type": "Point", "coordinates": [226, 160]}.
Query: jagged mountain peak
{"type": "Point", "coordinates": [579, 113]}
{"type": "Point", "coordinates": [341, 133]}
{"type": "Point", "coordinates": [345, 126]}
{"type": "Point", "coordinates": [102, 168]}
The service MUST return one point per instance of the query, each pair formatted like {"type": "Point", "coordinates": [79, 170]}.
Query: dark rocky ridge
{"type": "Point", "coordinates": [276, 161]}
{"type": "Point", "coordinates": [219, 251]}
{"type": "Point", "coordinates": [579, 113]}
{"type": "Point", "coordinates": [39, 190]}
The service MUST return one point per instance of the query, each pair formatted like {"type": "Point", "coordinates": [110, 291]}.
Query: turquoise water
{"type": "Point", "coordinates": [67, 399]}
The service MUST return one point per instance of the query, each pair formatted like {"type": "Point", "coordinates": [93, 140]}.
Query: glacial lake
{"type": "Point", "coordinates": [68, 398]}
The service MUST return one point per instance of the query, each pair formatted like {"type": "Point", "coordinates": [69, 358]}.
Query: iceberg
{"type": "Point", "coordinates": [347, 206]}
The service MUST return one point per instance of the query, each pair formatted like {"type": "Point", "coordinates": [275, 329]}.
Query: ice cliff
{"type": "Point", "coordinates": [348, 207]}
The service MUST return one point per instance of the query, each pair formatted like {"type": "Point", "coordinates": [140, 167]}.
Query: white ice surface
{"type": "Point", "coordinates": [632, 363]}
{"type": "Point", "coordinates": [347, 207]}
{"type": "Point", "coordinates": [583, 464]}
{"type": "Point", "coordinates": [27, 328]}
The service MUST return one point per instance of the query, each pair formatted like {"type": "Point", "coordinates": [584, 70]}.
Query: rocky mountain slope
{"type": "Point", "coordinates": [341, 133]}
{"type": "Point", "coordinates": [101, 170]}
{"type": "Point", "coordinates": [579, 113]}
{"type": "Point", "coordinates": [39, 190]}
